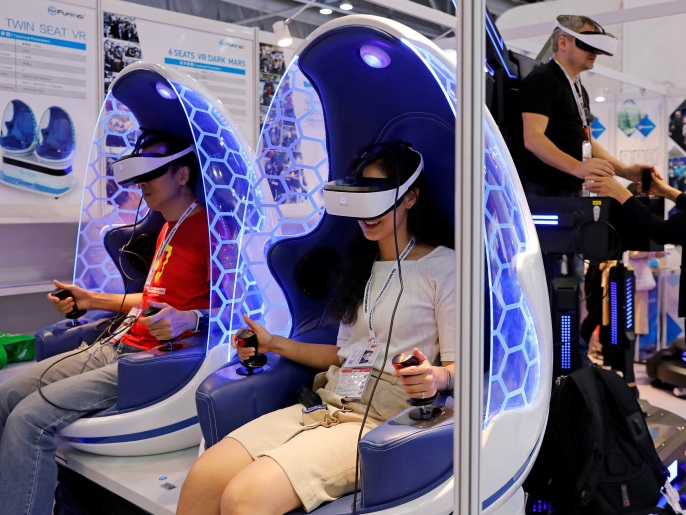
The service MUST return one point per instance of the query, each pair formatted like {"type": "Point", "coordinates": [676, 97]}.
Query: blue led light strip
{"type": "Point", "coordinates": [629, 302]}
{"type": "Point", "coordinates": [566, 339]}
{"type": "Point", "coordinates": [613, 313]}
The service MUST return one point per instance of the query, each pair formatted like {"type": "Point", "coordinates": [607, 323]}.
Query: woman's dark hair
{"type": "Point", "coordinates": [426, 223]}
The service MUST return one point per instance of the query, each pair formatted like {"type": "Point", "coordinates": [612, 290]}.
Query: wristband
{"type": "Point", "coordinates": [202, 320]}
{"type": "Point", "coordinates": [450, 380]}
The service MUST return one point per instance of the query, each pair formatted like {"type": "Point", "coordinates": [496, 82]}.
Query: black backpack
{"type": "Point", "coordinates": [597, 455]}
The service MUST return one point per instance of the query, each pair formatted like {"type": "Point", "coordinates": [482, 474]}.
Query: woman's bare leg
{"type": "Point", "coordinates": [209, 476]}
{"type": "Point", "coordinates": [261, 487]}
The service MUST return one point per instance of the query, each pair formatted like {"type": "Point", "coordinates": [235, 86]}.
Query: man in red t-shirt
{"type": "Point", "coordinates": [85, 380]}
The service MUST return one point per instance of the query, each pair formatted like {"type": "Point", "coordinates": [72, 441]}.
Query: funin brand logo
{"type": "Point", "coordinates": [52, 11]}
{"type": "Point", "coordinates": [230, 44]}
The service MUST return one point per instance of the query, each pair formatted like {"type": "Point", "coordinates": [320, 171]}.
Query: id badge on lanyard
{"type": "Point", "coordinates": [355, 372]}
{"type": "Point", "coordinates": [586, 150]}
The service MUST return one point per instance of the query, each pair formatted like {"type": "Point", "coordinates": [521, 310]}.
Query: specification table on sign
{"type": "Point", "coordinates": [42, 66]}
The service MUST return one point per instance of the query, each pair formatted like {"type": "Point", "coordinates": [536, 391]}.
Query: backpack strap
{"type": "Point", "coordinates": [588, 480]}
{"type": "Point", "coordinates": [632, 415]}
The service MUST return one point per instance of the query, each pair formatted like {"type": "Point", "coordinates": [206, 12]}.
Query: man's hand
{"type": "Point", "coordinates": [607, 187]}
{"type": "Point", "coordinates": [168, 323]}
{"type": "Point", "coordinates": [81, 298]}
{"type": "Point", "coordinates": [594, 166]}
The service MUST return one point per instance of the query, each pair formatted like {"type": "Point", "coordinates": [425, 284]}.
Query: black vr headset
{"type": "Point", "coordinates": [140, 166]}
{"type": "Point", "coordinates": [598, 42]}
{"type": "Point", "coordinates": [366, 198]}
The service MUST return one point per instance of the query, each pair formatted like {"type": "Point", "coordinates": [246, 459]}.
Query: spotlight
{"type": "Point", "coordinates": [600, 95]}
{"type": "Point", "coordinates": [374, 57]}
{"type": "Point", "coordinates": [165, 91]}
{"type": "Point", "coordinates": [325, 11]}
{"type": "Point", "coordinates": [346, 6]}
{"type": "Point", "coordinates": [283, 35]}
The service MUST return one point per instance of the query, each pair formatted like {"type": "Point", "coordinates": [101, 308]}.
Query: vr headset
{"type": "Point", "coordinates": [598, 42]}
{"type": "Point", "coordinates": [366, 198]}
{"type": "Point", "coordinates": [144, 166]}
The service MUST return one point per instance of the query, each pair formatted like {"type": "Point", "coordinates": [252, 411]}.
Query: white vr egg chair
{"type": "Point", "coordinates": [355, 81]}
{"type": "Point", "coordinates": [155, 409]}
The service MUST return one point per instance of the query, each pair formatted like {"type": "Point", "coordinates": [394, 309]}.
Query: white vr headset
{"type": "Point", "coordinates": [366, 198]}
{"type": "Point", "coordinates": [596, 42]}
{"type": "Point", "coordinates": [143, 167]}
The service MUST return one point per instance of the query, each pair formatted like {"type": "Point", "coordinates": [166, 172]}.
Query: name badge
{"type": "Point", "coordinates": [586, 151]}
{"type": "Point", "coordinates": [355, 372]}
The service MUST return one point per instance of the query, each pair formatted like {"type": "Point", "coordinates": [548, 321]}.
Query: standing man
{"type": "Point", "coordinates": [559, 150]}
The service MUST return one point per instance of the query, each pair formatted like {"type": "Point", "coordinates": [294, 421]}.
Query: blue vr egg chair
{"type": "Point", "coordinates": [388, 82]}
{"type": "Point", "coordinates": [155, 410]}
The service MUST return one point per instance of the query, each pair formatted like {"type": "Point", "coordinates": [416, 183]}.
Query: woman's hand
{"type": "Point", "coordinates": [264, 340]}
{"type": "Point", "coordinates": [607, 187]}
{"type": "Point", "coordinates": [80, 298]}
{"type": "Point", "coordinates": [660, 188]}
{"type": "Point", "coordinates": [420, 379]}
{"type": "Point", "coordinates": [168, 323]}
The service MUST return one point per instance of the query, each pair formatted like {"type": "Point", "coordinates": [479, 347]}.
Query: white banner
{"type": "Point", "coordinates": [49, 102]}
{"type": "Point", "coordinates": [221, 57]}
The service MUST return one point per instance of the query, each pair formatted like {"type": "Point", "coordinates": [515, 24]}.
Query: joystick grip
{"type": "Point", "coordinates": [150, 311]}
{"type": "Point", "coordinates": [65, 294]}
{"type": "Point", "coordinates": [403, 360]}
{"type": "Point", "coordinates": [646, 179]}
{"type": "Point", "coordinates": [246, 338]}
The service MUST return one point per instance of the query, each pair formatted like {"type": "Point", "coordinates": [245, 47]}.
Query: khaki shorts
{"type": "Point", "coordinates": [319, 458]}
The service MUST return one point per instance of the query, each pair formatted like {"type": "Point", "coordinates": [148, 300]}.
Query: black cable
{"type": "Point", "coordinates": [119, 320]}
{"type": "Point", "coordinates": [388, 342]}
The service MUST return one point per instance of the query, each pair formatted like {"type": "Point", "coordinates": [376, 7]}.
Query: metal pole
{"type": "Point", "coordinates": [469, 243]}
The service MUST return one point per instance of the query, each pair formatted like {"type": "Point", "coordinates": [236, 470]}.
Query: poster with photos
{"type": "Point", "coordinates": [272, 68]}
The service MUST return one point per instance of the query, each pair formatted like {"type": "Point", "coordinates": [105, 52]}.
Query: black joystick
{"type": "Point", "coordinates": [167, 345]}
{"type": "Point", "coordinates": [75, 312]}
{"type": "Point", "coordinates": [646, 180]}
{"type": "Point", "coordinates": [252, 365]}
{"type": "Point", "coordinates": [422, 412]}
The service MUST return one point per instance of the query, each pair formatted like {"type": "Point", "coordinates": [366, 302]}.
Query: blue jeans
{"type": "Point", "coordinates": [28, 424]}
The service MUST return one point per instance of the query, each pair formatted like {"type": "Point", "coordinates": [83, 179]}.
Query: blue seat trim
{"type": "Point", "coordinates": [135, 437]}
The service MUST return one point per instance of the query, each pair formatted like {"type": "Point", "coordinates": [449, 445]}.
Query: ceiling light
{"type": "Point", "coordinates": [374, 57]}
{"type": "Point", "coordinates": [325, 11]}
{"type": "Point", "coordinates": [600, 95]}
{"type": "Point", "coordinates": [283, 35]}
{"type": "Point", "coordinates": [346, 6]}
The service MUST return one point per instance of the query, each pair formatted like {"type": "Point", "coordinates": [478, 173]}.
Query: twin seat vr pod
{"type": "Point", "coordinates": [271, 246]}
{"type": "Point", "coordinates": [37, 157]}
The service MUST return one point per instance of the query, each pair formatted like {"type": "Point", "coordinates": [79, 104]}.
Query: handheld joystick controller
{"type": "Point", "coordinates": [646, 180]}
{"type": "Point", "coordinates": [167, 345]}
{"type": "Point", "coordinates": [75, 312]}
{"type": "Point", "coordinates": [246, 338]}
{"type": "Point", "coordinates": [423, 411]}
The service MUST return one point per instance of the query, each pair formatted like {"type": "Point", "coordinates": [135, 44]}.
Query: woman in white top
{"type": "Point", "coordinates": [283, 461]}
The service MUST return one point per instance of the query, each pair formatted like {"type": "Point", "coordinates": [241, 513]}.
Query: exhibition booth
{"type": "Point", "coordinates": [275, 130]}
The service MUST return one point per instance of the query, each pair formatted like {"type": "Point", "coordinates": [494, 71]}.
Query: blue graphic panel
{"type": "Point", "coordinates": [228, 181]}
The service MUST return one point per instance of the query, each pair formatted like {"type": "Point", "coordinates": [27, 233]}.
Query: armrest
{"type": "Point", "coordinates": [420, 454]}
{"type": "Point", "coordinates": [64, 336]}
{"type": "Point", "coordinates": [146, 378]}
{"type": "Point", "coordinates": [226, 400]}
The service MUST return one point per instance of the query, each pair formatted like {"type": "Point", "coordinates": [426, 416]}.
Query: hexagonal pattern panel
{"type": "Point", "coordinates": [228, 180]}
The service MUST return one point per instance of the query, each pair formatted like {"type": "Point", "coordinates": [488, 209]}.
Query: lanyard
{"type": "Point", "coordinates": [135, 311]}
{"type": "Point", "coordinates": [367, 289]}
{"type": "Point", "coordinates": [167, 241]}
{"type": "Point", "coordinates": [578, 97]}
